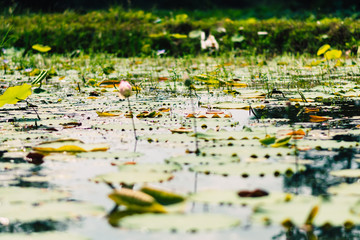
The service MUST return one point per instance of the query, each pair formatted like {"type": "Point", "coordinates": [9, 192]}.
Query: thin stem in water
{"type": "Point", "coordinates": [132, 119]}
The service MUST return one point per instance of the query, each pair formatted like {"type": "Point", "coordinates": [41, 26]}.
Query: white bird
{"type": "Point", "coordinates": [210, 42]}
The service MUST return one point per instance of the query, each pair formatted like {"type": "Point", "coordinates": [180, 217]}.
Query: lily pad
{"type": "Point", "coordinates": [194, 160]}
{"type": "Point", "coordinates": [346, 173]}
{"type": "Point", "coordinates": [41, 236]}
{"type": "Point", "coordinates": [109, 155]}
{"type": "Point", "coordinates": [179, 222]}
{"type": "Point", "coordinates": [70, 146]}
{"type": "Point", "coordinates": [16, 195]}
{"type": "Point", "coordinates": [232, 198]}
{"type": "Point", "coordinates": [346, 189]}
{"type": "Point", "coordinates": [57, 211]}
{"type": "Point", "coordinates": [131, 177]}
{"type": "Point", "coordinates": [246, 169]}
{"type": "Point", "coordinates": [149, 167]}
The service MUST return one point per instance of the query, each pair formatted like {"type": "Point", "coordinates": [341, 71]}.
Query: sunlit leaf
{"type": "Point", "coordinates": [14, 94]}
{"type": "Point", "coordinates": [333, 54]}
{"type": "Point", "coordinates": [323, 49]}
{"type": "Point", "coordinates": [136, 200]}
{"type": "Point", "coordinates": [41, 48]}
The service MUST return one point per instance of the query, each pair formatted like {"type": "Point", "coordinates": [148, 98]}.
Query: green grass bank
{"type": "Point", "coordinates": [138, 33]}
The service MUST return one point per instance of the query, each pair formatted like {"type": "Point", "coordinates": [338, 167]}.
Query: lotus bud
{"type": "Point", "coordinates": [125, 89]}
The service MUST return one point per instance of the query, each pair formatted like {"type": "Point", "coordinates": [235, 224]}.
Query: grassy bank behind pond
{"type": "Point", "coordinates": [139, 33]}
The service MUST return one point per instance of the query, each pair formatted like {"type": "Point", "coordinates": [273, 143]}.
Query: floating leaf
{"type": "Point", "coordinates": [14, 94]}
{"type": "Point", "coordinates": [231, 197]}
{"type": "Point", "coordinates": [281, 142]}
{"type": "Point", "coordinates": [50, 211]}
{"type": "Point", "coordinates": [179, 222]}
{"type": "Point", "coordinates": [16, 195]}
{"type": "Point", "coordinates": [42, 236]}
{"type": "Point", "coordinates": [106, 114]}
{"type": "Point", "coordinates": [246, 169]}
{"type": "Point", "coordinates": [163, 197]}
{"type": "Point", "coordinates": [149, 167]}
{"type": "Point", "coordinates": [136, 200]}
{"type": "Point", "coordinates": [131, 177]}
{"type": "Point", "coordinates": [314, 118]}
{"type": "Point", "coordinates": [181, 130]}
{"type": "Point", "coordinates": [346, 189]}
{"type": "Point", "coordinates": [193, 159]}
{"type": "Point", "coordinates": [109, 83]}
{"type": "Point", "coordinates": [268, 140]}
{"type": "Point", "coordinates": [347, 173]}
{"type": "Point", "coordinates": [67, 146]}
{"type": "Point", "coordinates": [109, 155]}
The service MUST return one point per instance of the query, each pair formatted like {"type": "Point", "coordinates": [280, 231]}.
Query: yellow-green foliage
{"type": "Point", "coordinates": [134, 33]}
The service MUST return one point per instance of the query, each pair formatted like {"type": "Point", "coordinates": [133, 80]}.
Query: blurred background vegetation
{"type": "Point", "coordinates": [141, 28]}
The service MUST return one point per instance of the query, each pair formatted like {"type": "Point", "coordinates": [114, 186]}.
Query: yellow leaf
{"type": "Point", "coordinates": [41, 48]}
{"type": "Point", "coordinates": [314, 118]}
{"type": "Point", "coordinates": [282, 142]}
{"type": "Point", "coordinates": [65, 148]}
{"type": "Point", "coordinates": [106, 114]}
{"type": "Point", "coordinates": [181, 130]}
{"type": "Point", "coordinates": [14, 94]}
{"type": "Point", "coordinates": [333, 54]}
{"type": "Point", "coordinates": [109, 83]}
{"type": "Point", "coordinates": [323, 49]}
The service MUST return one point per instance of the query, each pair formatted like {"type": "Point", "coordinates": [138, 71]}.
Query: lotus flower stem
{"type": "Point", "coordinates": [132, 120]}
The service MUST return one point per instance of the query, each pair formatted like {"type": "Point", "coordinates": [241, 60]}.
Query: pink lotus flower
{"type": "Point", "coordinates": [125, 89]}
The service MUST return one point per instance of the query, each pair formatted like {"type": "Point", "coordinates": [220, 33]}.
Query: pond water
{"type": "Point", "coordinates": [282, 131]}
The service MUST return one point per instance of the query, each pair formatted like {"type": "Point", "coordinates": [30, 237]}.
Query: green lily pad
{"type": "Point", "coordinates": [343, 206]}
{"type": "Point", "coordinates": [41, 236]}
{"type": "Point", "coordinates": [194, 160]}
{"type": "Point", "coordinates": [345, 189]}
{"type": "Point", "coordinates": [246, 169]}
{"type": "Point", "coordinates": [295, 211]}
{"type": "Point", "coordinates": [346, 173]}
{"type": "Point", "coordinates": [70, 146]}
{"type": "Point", "coordinates": [179, 222]}
{"type": "Point", "coordinates": [15, 195]}
{"type": "Point", "coordinates": [109, 155]}
{"type": "Point", "coordinates": [57, 211]}
{"type": "Point", "coordinates": [232, 198]}
{"type": "Point", "coordinates": [4, 166]}
{"type": "Point", "coordinates": [150, 167]}
{"type": "Point", "coordinates": [136, 200]}
{"type": "Point", "coordinates": [131, 177]}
